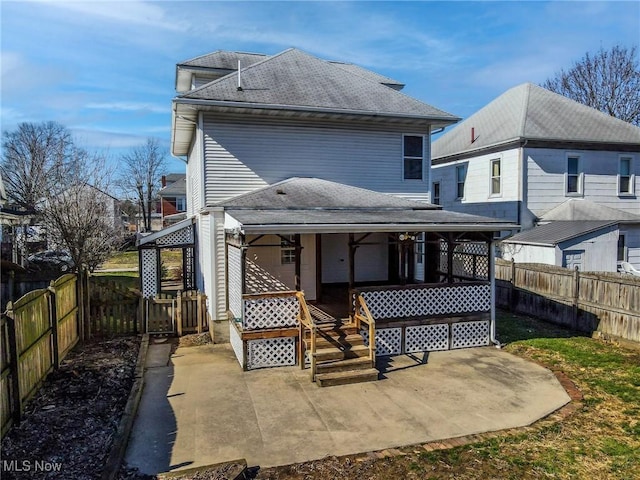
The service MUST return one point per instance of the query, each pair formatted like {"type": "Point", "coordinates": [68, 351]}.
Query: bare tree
{"type": "Point", "coordinates": [608, 81]}
{"type": "Point", "coordinates": [83, 218]}
{"type": "Point", "coordinates": [142, 169]}
{"type": "Point", "coordinates": [35, 156]}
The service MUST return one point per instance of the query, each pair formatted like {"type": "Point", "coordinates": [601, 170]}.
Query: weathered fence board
{"type": "Point", "coordinates": [113, 309]}
{"type": "Point", "coordinates": [587, 301]}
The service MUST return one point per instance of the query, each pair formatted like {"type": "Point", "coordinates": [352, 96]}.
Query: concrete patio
{"type": "Point", "coordinates": [198, 407]}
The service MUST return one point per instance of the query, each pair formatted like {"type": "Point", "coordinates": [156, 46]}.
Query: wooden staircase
{"type": "Point", "coordinates": [341, 355]}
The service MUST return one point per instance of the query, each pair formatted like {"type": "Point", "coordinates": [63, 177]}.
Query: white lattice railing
{"type": "Point", "coordinates": [270, 310]}
{"type": "Point", "coordinates": [427, 300]}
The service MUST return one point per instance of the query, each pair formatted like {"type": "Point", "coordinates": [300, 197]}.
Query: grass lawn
{"type": "Point", "coordinates": [169, 257]}
{"type": "Point", "coordinates": [599, 441]}
{"type": "Point", "coordinates": [125, 279]}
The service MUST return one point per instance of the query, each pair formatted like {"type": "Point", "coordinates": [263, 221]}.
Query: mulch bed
{"type": "Point", "coordinates": [68, 427]}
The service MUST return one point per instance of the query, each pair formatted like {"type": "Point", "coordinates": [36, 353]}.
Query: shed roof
{"type": "Point", "coordinates": [530, 112]}
{"type": "Point", "coordinates": [553, 233]}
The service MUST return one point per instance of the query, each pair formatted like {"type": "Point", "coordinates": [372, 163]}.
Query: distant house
{"type": "Point", "coordinates": [528, 152]}
{"type": "Point", "coordinates": [308, 181]}
{"type": "Point", "coordinates": [173, 198]}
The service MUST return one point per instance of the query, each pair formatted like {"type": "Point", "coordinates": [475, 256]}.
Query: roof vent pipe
{"type": "Point", "coordinates": [239, 76]}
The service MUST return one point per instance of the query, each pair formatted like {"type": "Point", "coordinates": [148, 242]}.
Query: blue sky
{"type": "Point", "coordinates": [106, 69]}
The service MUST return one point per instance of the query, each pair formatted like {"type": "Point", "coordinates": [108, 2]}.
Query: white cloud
{"type": "Point", "coordinates": [124, 12]}
{"type": "Point", "coordinates": [129, 107]}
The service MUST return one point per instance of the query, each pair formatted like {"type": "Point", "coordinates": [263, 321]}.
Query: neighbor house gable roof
{"type": "Point", "coordinates": [176, 188]}
{"type": "Point", "coordinates": [297, 80]}
{"type": "Point", "coordinates": [529, 113]}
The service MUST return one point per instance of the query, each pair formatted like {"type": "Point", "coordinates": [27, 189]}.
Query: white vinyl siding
{"type": "Point", "coordinates": [546, 176]}
{"type": "Point", "coordinates": [194, 177]}
{"type": "Point", "coordinates": [241, 157]}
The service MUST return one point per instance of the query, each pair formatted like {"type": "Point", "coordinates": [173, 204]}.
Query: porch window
{"type": "Point", "coordinates": [496, 181]}
{"type": "Point", "coordinates": [436, 193]}
{"type": "Point", "coordinates": [625, 177]}
{"type": "Point", "coordinates": [574, 176]}
{"type": "Point", "coordinates": [413, 154]}
{"type": "Point", "coordinates": [287, 250]}
{"type": "Point", "coordinates": [461, 174]}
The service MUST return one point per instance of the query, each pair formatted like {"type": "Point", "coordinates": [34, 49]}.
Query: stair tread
{"type": "Point", "coordinates": [347, 361]}
{"type": "Point", "coordinates": [347, 374]}
{"type": "Point", "coordinates": [337, 339]}
{"type": "Point", "coordinates": [329, 348]}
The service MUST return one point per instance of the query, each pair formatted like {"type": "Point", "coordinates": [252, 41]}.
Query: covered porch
{"type": "Point", "coordinates": [411, 276]}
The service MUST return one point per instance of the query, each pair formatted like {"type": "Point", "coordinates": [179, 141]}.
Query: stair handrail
{"type": "Point", "coordinates": [362, 314]}
{"type": "Point", "coordinates": [306, 321]}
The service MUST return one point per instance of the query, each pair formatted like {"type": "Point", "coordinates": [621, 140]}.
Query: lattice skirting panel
{"type": "Point", "coordinates": [470, 334]}
{"type": "Point", "coordinates": [271, 352]}
{"type": "Point", "coordinates": [236, 343]}
{"type": "Point", "coordinates": [429, 338]}
{"type": "Point", "coordinates": [270, 312]}
{"type": "Point", "coordinates": [388, 341]}
{"type": "Point", "coordinates": [426, 338]}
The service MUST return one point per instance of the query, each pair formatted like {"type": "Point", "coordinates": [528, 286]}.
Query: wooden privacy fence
{"type": "Point", "coordinates": [113, 308]}
{"type": "Point", "coordinates": [37, 332]}
{"type": "Point", "coordinates": [587, 301]}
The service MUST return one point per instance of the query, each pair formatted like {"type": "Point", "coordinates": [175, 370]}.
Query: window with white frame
{"type": "Point", "coordinates": [436, 193]}
{"type": "Point", "coordinates": [413, 156]}
{"type": "Point", "coordinates": [420, 248]}
{"type": "Point", "coordinates": [622, 247]}
{"type": "Point", "coordinates": [461, 175]}
{"type": "Point", "coordinates": [287, 250]}
{"type": "Point", "coordinates": [626, 178]}
{"type": "Point", "coordinates": [496, 177]}
{"type": "Point", "coordinates": [574, 176]}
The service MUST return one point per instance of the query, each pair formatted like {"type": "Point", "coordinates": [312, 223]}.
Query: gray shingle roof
{"type": "Point", "coordinates": [533, 113]}
{"type": "Point", "coordinates": [328, 205]}
{"type": "Point", "coordinates": [296, 79]}
{"type": "Point", "coordinates": [177, 188]}
{"type": "Point", "coordinates": [226, 60]}
{"type": "Point", "coordinates": [304, 193]}
{"type": "Point", "coordinates": [586, 210]}
{"type": "Point", "coordinates": [556, 232]}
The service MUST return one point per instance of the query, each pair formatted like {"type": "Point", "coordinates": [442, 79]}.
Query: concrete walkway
{"type": "Point", "coordinates": [200, 408]}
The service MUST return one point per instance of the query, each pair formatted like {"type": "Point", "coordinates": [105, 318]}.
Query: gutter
{"type": "Point", "coordinates": [370, 228]}
{"type": "Point", "coordinates": [297, 108]}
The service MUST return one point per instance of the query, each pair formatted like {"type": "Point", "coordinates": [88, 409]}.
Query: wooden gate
{"type": "Point", "coordinates": [113, 308]}
{"type": "Point", "coordinates": [182, 314]}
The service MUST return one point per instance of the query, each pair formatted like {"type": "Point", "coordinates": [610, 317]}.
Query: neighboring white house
{"type": "Point", "coordinates": [310, 175]}
{"type": "Point", "coordinates": [531, 150]}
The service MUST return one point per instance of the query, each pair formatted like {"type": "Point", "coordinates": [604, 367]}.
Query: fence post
{"type": "Point", "coordinates": [86, 302]}
{"type": "Point", "coordinates": [512, 287]}
{"type": "Point", "coordinates": [80, 301]}
{"type": "Point", "coordinates": [53, 321]}
{"type": "Point", "coordinates": [179, 313]}
{"type": "Point", "coordinates": [199, 315]}
{"type": "Point", "coordinates": [16, 400]}
{"type": "Point", "coordinates": [576, 294]}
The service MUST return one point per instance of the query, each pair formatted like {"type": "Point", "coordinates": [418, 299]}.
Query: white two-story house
{"type": "Point", "coordinates": [529, 157]}
{"type": "Point", "coordinates": [308, 187]}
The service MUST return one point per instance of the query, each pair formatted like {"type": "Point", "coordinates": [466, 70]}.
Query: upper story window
{"type": "Point", "coordinates": [413, 156]}
{"type": "Point", "coordinates": [496, 177]}
{"type": "Point", "coordinates": [626, 178]}
{"type": "Point", "coordinates": [435, 193]}
{"type": "Point", "coordinates": [461, 175]}
{"type": "Point", "coordinates": [181, 204]}
{"type": "Point", "coordinates": [574, 177]}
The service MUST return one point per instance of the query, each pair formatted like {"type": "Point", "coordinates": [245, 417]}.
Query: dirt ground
{"type": "Point", "coordinates": [68, 427]}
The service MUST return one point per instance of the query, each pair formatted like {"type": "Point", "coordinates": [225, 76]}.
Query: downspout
{"type": "Point", "coordinates": [492, 289]}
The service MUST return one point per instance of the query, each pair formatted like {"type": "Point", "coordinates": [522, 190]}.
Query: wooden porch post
{"type": "Point", "coordinates": [450, 248]}
{"type": "Point", "coordinates": [352, 259]}
{"type": "Point", "coordinates": [319, 267]}
{"type": "Point", "coordinates": [298, 247]}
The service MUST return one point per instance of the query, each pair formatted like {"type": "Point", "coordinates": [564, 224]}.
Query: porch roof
{"type": "Point", "coordinates": [314, 205]}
